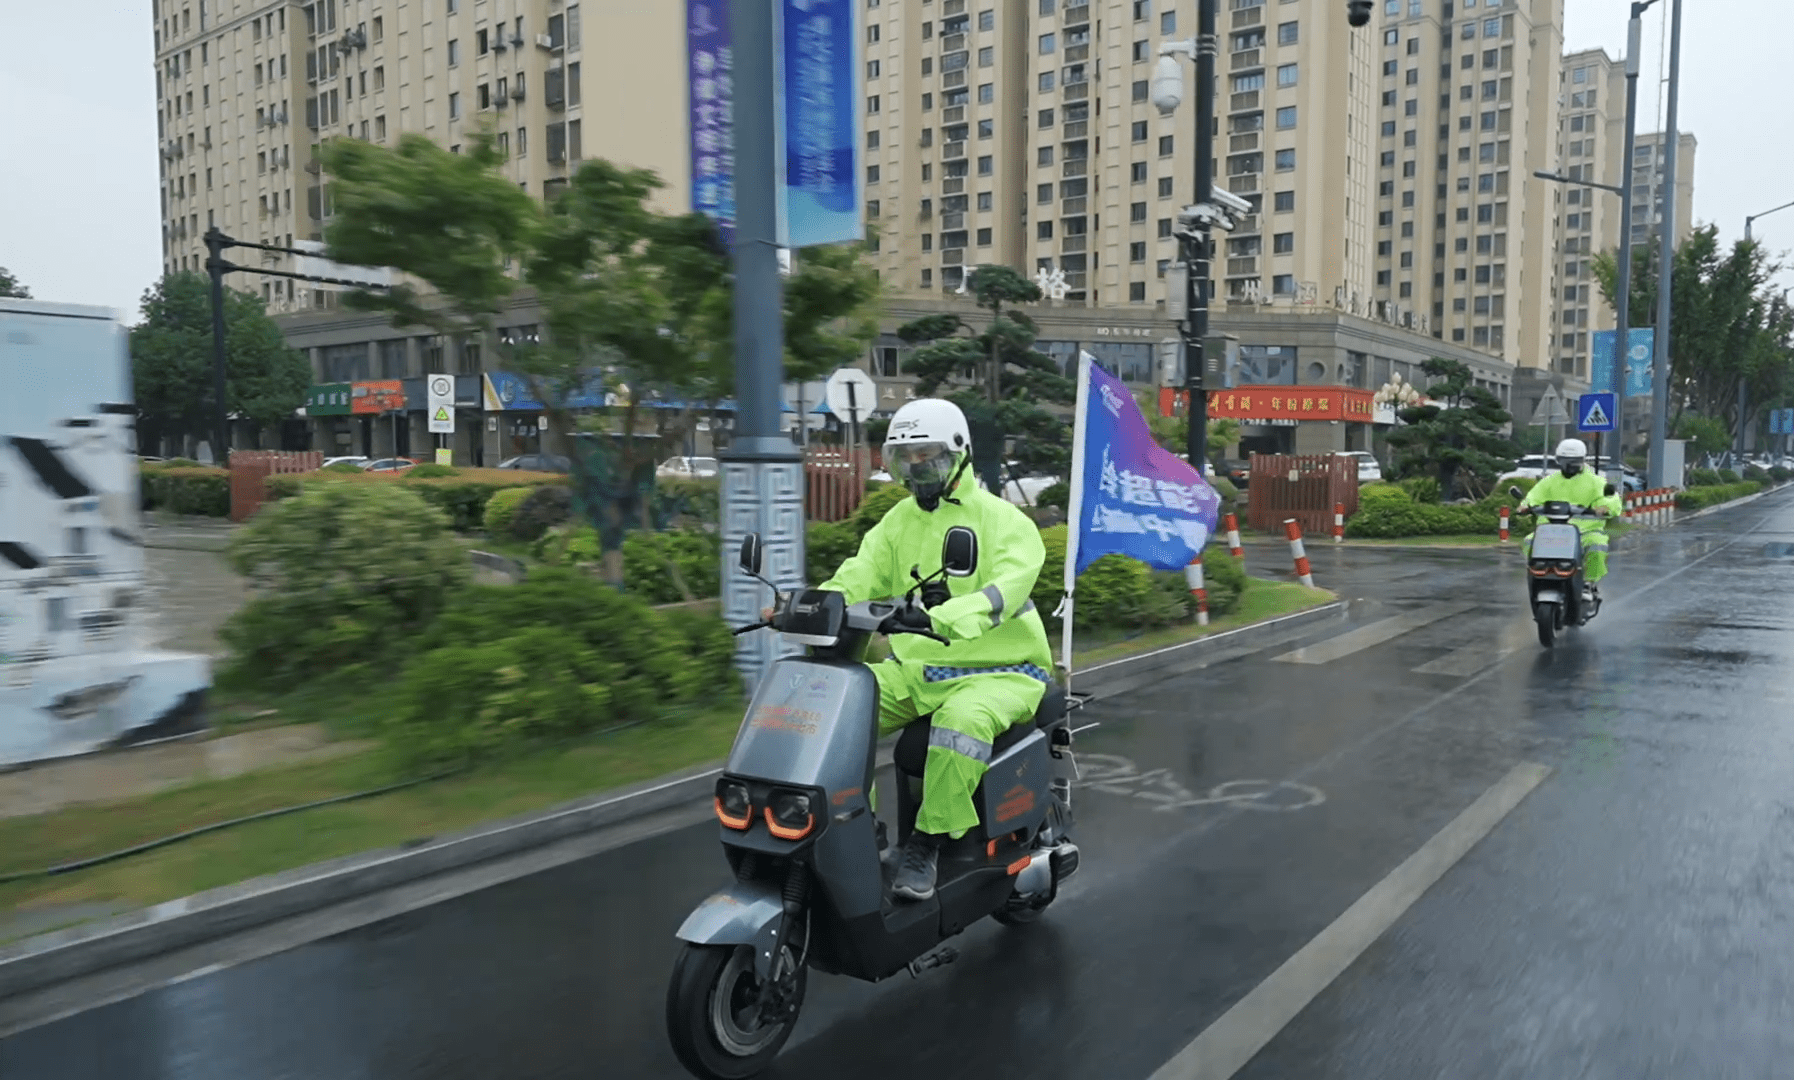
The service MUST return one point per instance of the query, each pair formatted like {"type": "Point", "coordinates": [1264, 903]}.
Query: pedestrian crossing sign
{"type": "Point", "coordinates": [1595, 412]}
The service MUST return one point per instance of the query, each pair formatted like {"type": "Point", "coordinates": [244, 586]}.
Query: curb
{"type": "Point", "coordinates": [1681, 517]}
{"type": "Point", "coordinates": [37, 962]}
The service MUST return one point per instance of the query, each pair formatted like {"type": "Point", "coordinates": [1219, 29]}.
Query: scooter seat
{"type": "Point", "coordinates": [911, 754]}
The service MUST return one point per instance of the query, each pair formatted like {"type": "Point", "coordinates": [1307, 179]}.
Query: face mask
{"type": "Point", "coordinates": [1571, 468]}
{"type": "Point", "coordinates": [927, 469]}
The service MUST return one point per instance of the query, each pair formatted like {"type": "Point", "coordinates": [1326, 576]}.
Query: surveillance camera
{"type": "Point", "coordinates": [1358, 12]}
{"type": "Point", "coordinates": [1167, 85]}
{"type": "Point", "coordinates": [1229, 200]}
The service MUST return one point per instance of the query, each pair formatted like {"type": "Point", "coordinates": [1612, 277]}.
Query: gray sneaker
{"type": "Point", "coordinates": [916, 870]}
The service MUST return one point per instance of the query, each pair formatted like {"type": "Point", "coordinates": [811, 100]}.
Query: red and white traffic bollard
{"type": "Point", "coordinates": [1338, 523]}
{"type": "Point", "coordinates": [1298, 552]}
{"type": "Point", "coordinates": [1504, 524]}
{"type": "Point", "coordinates": [1233, 537]}
{"type": "Point", "coordinates": [1193, 575]}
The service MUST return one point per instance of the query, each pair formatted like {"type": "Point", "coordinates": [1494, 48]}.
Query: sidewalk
{"type": "Point", "coordinates": [192, 591]}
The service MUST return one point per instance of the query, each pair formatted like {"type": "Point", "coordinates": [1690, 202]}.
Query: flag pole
{"type": "Point", "coordinates": [1074, 512]}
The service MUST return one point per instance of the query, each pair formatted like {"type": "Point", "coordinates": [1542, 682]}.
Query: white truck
{"type": "Point", "coordinates": [75, 675]}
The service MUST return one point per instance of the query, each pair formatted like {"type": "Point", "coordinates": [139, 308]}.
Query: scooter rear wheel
{"type": "Point", "coordinates": [1546, 616]}
{"type": "Point", "coordinates": [712, 1003]}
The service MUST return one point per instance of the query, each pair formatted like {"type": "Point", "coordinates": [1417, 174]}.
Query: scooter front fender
{"type": "Point", "coordinates": [1548, 596]}
{"type": "Point", "coordinates": [743, 913]}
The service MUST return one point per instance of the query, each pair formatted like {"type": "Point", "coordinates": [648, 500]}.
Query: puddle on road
{"type": "Point", "coordinates": [1691, 654]}
{"type": "Point", "coordinates": [1780, 550]}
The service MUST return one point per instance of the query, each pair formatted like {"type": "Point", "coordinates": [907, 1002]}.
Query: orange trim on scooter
{"type": "Point", "coordinates": [784, 833]}
{"type": "Point", "coordinates": [741, 822]}
{"type": "Point", "coordinates": [1019, 865]}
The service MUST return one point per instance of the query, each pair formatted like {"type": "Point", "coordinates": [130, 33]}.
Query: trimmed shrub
{"type": "Point", "coordinates": [827, 544]}
{"type": "Point", "coordinates": [1779, 474]}
{"type": "Point", "coordinates": [1058, 494]}
{"type": "Point", "coordinates": [1422, 489]}
{"type": "Point", "coordinates": [1379, 495]}
{"type": "Point", "coordinates": [1392, 521]}
{"type": "Point", "coordinates": [651, 558]}
{"type": "Point", "coordinates": [1703, 478]}
{"type": "Point", "coordinates": [873, 509]}
{"type": "Point", "coordinates": [688, 502]}
{"type": "Point", "coordinates": [196, 490]}
{"type": "Point", "coordinates": [429, 470]}
{"type": "Point", "coordinates": [1713, 495]}
{"type": "Point", "coordinates": [1729, 476]}
{"type": "Point", "coordinates": [344, 575]}
{"type": "Point", "coordinates": [282, 486]}
{"type": "Point", "coordinates": [1756, 474]}
{"type": "Point", "coordinates": [558, 655]}
{"type": "Point", "coordinates": [1230, 494]}
{"type": "Point", "coordinates": [544, 508]}
{"type": "Point", "coordinates": [501, 507]}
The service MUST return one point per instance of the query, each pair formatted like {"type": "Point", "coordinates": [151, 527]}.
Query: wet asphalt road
{"type": "Point", "coordinates": [1628, 920]}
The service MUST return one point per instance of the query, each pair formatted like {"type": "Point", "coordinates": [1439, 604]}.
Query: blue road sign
{"type": "Point", "coordinates": [1640, 345]}
{"type": "Point", "coordinates": [1596, 412]}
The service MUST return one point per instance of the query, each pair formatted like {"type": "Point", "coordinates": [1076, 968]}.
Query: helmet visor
{"type": "Point", "coordinates": [920, 464]}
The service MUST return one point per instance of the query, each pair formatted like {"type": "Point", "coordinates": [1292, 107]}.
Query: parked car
{"type": "Point", "coordinates": [538, 463]}
{"type": "Point", "coordinates": [1530, 467]}
{"type": "Point", "coordinates": [353, 459]}
{"type": "Point", "coordinates": [1370, 470]}
{"type": "Point", "coordinates": [688, 468]}
{"type": "Point", "coordinates": [389, 464]}
{"type": "Point", "coordinates": [1236, 472]}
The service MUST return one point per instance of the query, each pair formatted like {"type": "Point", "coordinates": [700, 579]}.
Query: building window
{"type": "Point", "coordinates": [1284, 202]}
{"type": "Point", "coordinates": [1283, 285]}
{"type": "Point", "coordinates": [1043, 193]}
{"type": "Point", "coordinates": [1283, 243]}
{"type": "Point", "coordinates": [986, 128]}
{"type": "Point", "coordinates": [1048, 43]}
{"type": "Point", "coordinates": [454, 106]}
{"type": "Point", "coordinates": [1286, 33]}
{"type": "Point", "coordinates": [1286, 160]}
{"type": "Point", "coordinates": [1164, 187]}
{"type": "Point", "coordinates": [1137, 212]}
{"type": "Point", "coordinates": [872, 174]}
{"type": "Point", "coordinates": [1142, 52]}
{"type": "Point", "coordinates": [1043, 230]}
{"type": "Point", "coordinates": [1391, 36]}
{"type": "Point", "coordinates": [1165, 145]}
{"type": "Point", "coordinates": [984, 165]}
{"type": "Point", "coordinates": [1046, 118]}
{"type": "Point", "coordinates": [1043, 156]}
{"type": "Point", "coordinates": [872, 103]}
{"type": "Point", "coordinates": [984, 200]}
{"type": "Point", "coordinates": [454, 52]}
{"type": "Point", "coordinates": [986, 93]}
{"type": "Point", "coordinates": [1137, 172]}
{"type": "Point", "coordinates": [986, 57]}
{"type": "Point", "coordinates": [1168, 23]}
{"type": "Point", "coordinates": [1045, 82]}
{"type": "Point", "coordinates": [1139, 131]}
{"type": "Point", "coordinates": [1286, 118]}
{"type": "Point", "coordinates": [983, 237]}
{"type": "Point", "coordinates": [872, 32]}
{"type": "Point", "coordinates": [1164, 228]}
{"type": "Point", "coordinates": [1136, 251]}
{"type": "Point", "coordinates": [1286, 75]}
{"type": "Point", "coordinates": [1389, 129]}
{"type": "Point", "coordinates": [1136, 292]}
{"type": "Point", "coordinates": [1139, 89]}
{"type": "Point", "coordinates": [987, 19]}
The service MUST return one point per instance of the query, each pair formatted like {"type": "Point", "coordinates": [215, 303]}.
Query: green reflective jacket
{"type": "Point", "coordinates": [1584, 489]}
{"type": "Point", "coordinates": [990, 619]}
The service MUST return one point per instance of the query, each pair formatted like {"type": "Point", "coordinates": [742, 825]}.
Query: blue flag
{"type": "Point", "coordinates": [1129, 496]}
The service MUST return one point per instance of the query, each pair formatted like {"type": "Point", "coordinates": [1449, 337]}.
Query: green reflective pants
{"type": "Point", "coordinates": [969, 713]}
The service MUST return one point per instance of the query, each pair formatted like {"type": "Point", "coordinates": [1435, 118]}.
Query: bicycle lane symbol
{"type": "Point", "coordinates": [1117, 775]}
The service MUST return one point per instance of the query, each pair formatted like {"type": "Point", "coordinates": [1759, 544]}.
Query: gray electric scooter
{"type": "Point", "coordinates": [797, 826]}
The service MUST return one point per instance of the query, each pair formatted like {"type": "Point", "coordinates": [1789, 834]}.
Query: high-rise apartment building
{"type": "Point", "coordinates": [247, 89]}
{"type": "Point", "coordinates": [1649, 190]}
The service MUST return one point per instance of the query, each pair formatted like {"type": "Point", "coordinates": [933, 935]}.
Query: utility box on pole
{"type": "Point", "coordinates": [76, 674]}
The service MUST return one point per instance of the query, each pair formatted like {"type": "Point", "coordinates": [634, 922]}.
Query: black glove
{"type": "Point", "coordinates": [935, 593]}
{"type": "Point", "coordinates": [910, 617]}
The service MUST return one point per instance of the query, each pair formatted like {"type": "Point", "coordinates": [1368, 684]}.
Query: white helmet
{"type": "Point", "coordinates": [926, 448]}
{"type": "Point", "coordinates": [1571, 455]}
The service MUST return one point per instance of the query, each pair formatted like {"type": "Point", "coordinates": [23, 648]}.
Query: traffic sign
{"type": "Point", "coordinates": [852, 395]}
{"type": "Point", "coordinates": [1595, 412]}
{"type": "Point", "coordinates": [440, 393]}
{"type": "Point", "coordinates": [1781, 422]}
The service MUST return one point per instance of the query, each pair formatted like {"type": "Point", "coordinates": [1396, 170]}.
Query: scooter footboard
{"type": "Point", "coordinates": [742, 913]}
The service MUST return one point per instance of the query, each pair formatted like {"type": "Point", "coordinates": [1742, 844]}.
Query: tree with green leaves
{"type": "Point", "coordinates": [1173, 432]}
{"type": "Point", "coordinates": [996, 376]}
{"type": "Point", "coordinates": [171, 362]}
{"type": "Point", "coordinates": [1727, 324]}
{"type": "Point", "coordinates": [10, 286]}
{"type": "Point", "coordinates": [1458, 438]}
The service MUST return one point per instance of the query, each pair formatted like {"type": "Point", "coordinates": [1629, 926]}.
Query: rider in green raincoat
{"type": "Point", "coordinates": [997, 668]}
{"type": "Point", "coordinates": [1577, 485]}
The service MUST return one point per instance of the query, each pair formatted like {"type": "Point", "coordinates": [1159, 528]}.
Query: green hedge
{"type": "Point", "coordinates": [560, 654]}
{"type": "Point", "coordinates": [501, 507]}
{"type": "Point", "coordinates": [695, 553]}
{"type": "Point", "coordinates": [194, 489]}
{"type": "Point", "coordinates": [827, 544]}
{"type": "Point", "coordinates": [1699, 498]}
{"type": "Point", "coordinates": [1116, 592]}
{"type": "Point", "coordinates": [1780, 475]}
{"type": "Point", "coordinates": [1387, 521]}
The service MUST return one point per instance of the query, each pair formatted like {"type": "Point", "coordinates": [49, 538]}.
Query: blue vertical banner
{"type": "Point", "coordinates": [710, 71]}
{"type": "Point", "coordinates": [1640, 347]}
{"type": "Point", "coordinates": [818, 113]}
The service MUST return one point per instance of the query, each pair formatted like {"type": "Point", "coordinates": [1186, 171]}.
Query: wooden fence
{"type": "Point", "coordinates": [249, 472]}
{"type": "Point", "coordinates": [834, 482]}
{"type": "Point", "coordinates": [1284, 486]}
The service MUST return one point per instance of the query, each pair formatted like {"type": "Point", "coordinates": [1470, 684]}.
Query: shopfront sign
{"type": "Point", "coordinates": [328, 399]}
{"type": "Point", "coordinates": [376, 397]}
{"type": "Point", "coordinates": [1292, 403]}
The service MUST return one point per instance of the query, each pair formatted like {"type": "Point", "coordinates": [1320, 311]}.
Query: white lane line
{"type": "Point", "coordinates": [1474, 657]}
{"type": "Point", "coordinates": [1242, 1031]}
{"type": "Point", "coordinates": [1353, 641]}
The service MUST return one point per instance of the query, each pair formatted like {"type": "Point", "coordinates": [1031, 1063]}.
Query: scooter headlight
{"type": "Point", "coordinates": [788, 815]}
{"type": "Point", "coordinates": [734, 804]}
{"type": "Point", "coordinates": [1566, 565]}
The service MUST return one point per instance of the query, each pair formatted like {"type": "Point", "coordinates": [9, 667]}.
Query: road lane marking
{"type": "Point", "coordinates": [1116, 775]}
{"type": "Point", "coordinates": [1225, 1046]}
{"type": "Point", "coordinates": [1354, 641]}
{"type": "Point", "coordinates": [1474, 657]}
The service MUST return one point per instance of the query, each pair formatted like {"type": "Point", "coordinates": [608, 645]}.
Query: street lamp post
{"type": "Point", "coordinates": [1743, 382]}
{"type": "Point", "coordinates": [1667, 258]}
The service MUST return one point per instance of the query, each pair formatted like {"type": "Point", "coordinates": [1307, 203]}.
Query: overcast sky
{"type": "Point", "coordinates": [78, 155]}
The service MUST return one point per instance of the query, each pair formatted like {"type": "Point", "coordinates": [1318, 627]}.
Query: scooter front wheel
{"type": "Point", "coordinates": [716, 1017]}
{"type": "Point", "coordinates": [1546, 616]}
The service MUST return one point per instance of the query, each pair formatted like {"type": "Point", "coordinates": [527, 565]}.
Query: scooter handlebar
{"type": "Point", "coordinates": [911, 619]}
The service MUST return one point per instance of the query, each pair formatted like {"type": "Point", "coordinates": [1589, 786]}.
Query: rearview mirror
{"type": "Point", "coordinates": [751, 553]}
{"type": "Point", "coordinates": [959, 552]}
{"type": "Point", "coordinates": [1514, 491]}
{"type": "Point", "coordinates": [1610, 490]}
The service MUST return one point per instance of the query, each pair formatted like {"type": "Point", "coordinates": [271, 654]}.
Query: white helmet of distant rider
{"type": "Point", "coordinates": [927, 447]}
{"type": "Point", "coordinates": [1572, 455]}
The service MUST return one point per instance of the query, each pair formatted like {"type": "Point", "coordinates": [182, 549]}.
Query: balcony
{"type": "Point", "coordinates": [1076, 129]}
{"type": "Point", "coordinates": [952, 42]}
{"type": "Point", "coordinates": [1077, 54]}
{"type": "Point", "coordinates": [953, 257]}
{"type": "Point", "coordinates": [1251, 16]}
{"type": "Point", "coordinates": [1073, 207]}
{"type": "Point", "coordinates": [1072, 16]}
{"type": "Point", "coordinates": [1238, 143]}
{"type": "Point", "coordinates": [953, 150]}
{"type": "Point", "coordinates": [1077, 91]}
{"type": "Point", "coordinates": [953, 7]}
{"type": "Point", "coordinates": [953, 79]}
{"type": "Point", "coordinates": [1242, 101]}
{"type": "Point", "coordinates": [1243, 185]}
{"type": "Point", "coordinates": [1247, 265]}
{"type": "Point", "coordinates": [1071, 245]}
{"type": "Point", "coordinates": [1078, 167]}
{"type": "Point", "coordinates": [955, 115]}
{"type": "Point", "coordinates": [953, 185]}
{"type": "Point", "coordinates": [953, 221]}
{"type": "Point", "coordinates": [1247, 59]}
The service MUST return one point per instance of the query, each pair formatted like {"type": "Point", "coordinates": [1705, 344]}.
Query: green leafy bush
{"type": "Point", "coordinates": [1500, 497]}
{"type": "Point", "coordinates": [344, 574]}
{"type": "Point", "coordinates": [873, 509]}
{"type": "Point", "coordinates": [688, 502]}
{"type": "Point", "coordinates": [1756, 474]}
{"type": "Point", "coordinates": [544, 508]}
{"type": "Point", "coordinates": [1058, 494]}
{"type": "Point", "coordinates": [1699, 498]}
{"type": "Point", "coordinates": [1115, 592]}
{"type": "Point", "coordinates": [1780, 475]}
{"type": "Point", "coordinates": [1703, 478]}
{"type": "Point", "coordinates": [429, 470]}
{"type": "Point", "coordinates": [558, 655]}
{"type": "Point", "coordinates": [1392, 520]}
{"type": "Point", "coordinates": [464, 501]}
{"type": "Point", "coordinates": [651, 558]}
{"type": "Point", "coordinates": [1230, 495]}
{"type": "Point", "coordinates": [501, 507]}
{"type": "Point", "coordinates": [282, 486]}
{"type": "Point", "coordinates": [196, 490]}
{"type": "Point", "coordinates": [827, 544]}
{"type": "Point", "coordinates": [1729, 476]}
{"type": "Point", "coordinates": [1422, 489]}
{"type": "Point", "coordinates": [1375, 495]}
